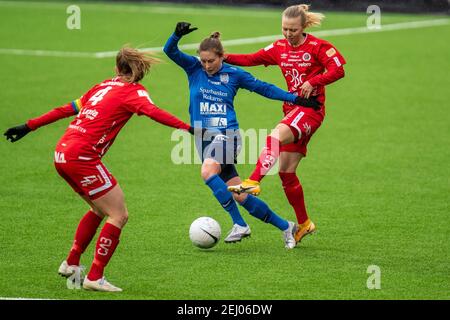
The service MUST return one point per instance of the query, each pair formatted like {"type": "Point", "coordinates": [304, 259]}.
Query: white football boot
{"type": "Point", "coordinates": [288, 235]}
{"type": "Point", "coordinates": [100, 285]}
{"type": "Point", "coordinates": [74, 274]}
{"type": "Point", "coordinates": [238, 233]}
{"type": "Point", "coordinates": [66, 271]}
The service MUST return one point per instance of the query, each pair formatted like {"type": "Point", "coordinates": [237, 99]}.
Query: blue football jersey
{"type": "Point", "coordinates": [211, 102]}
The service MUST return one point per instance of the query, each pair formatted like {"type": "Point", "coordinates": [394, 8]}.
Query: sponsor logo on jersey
{"type": "Point", "coordinates": [224, 78]}
{"type": "Point", "coordinates": [330, 52]}
{"type": "Point", "coordinates": [296, 78]}
{"type": "Point", "coordinates": [91, 114]}
{"type": "Point", "coordinates": [283, 55]}
{"type": "Point", "coordinates": [284, 64]}
{"type": "Point", "coordinates": [78, 128]}
{"type": "Point", "coordinates": [304, 64]}
{"type": "Point", "coordinates": [306, 56]}
{"type": "Point", "coordinates": [217, 83]}
{"type": "Point", "coordinates": [314, 43]}
{"type": "Point", "coordinates": [215, 92]}
{"type": "Point", "coordinates": [213, 108]}
{"type": "Point", "coordinates": [213, 95]}
{"type": "Point", "coordinates": [215, 122]}
{"type": "Point", "coordinates": [59, 157]}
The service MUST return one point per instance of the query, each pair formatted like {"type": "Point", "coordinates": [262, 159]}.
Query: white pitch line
{"type": "Point", "coordinates": [20, 298]}
{"type": "Point", "coordinates": [233, 42]}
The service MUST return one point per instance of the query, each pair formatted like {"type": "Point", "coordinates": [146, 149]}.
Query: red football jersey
{"type": "Point", "coordinates": [102, 112]}
{"type": "Point", "coordinates": [306, 62]}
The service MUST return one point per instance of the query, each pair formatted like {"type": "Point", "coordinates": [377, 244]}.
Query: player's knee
{"type": "Point", "coordinates": [209, 168]}
{"type": "Point", "coordinates": [286, 133]}
{"type": "Point", "coordinates": [288, 179]}
{"type": "Point", "coordinates": [98, 212]}
{"type": "Point", "coordinates": [120, 218]}
{"type": "Point", "coordinates": [124, 218]}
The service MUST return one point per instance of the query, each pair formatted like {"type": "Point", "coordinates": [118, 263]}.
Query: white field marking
{"type": "Point", "coordinates": [234, 42]}
{"type": "Point", "coordinates": [21, 298]}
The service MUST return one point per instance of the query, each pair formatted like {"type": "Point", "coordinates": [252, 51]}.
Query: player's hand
{"type": "Point", "coordinates": [306, 89]}
{"type": "Point", "coordinates": [15, 133]}
{"type": "Point", "coordinates": [183, 28]}
{"type": "Point", "coordinates": [309, 103]}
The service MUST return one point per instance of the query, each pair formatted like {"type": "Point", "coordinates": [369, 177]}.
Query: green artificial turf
{"type": "Point", "coordinates": [376, 178]}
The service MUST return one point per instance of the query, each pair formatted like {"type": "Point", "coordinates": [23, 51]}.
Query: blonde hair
{"type": "Point", "coordinates": [308, 19]}
{"type": "Point", "coordinates": [212, 43]}
{"type": "Point", "coordinates": [133, 64]}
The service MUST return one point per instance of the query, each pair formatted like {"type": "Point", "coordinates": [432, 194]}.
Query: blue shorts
{"type": "Point", "coordinates": [223, 147]}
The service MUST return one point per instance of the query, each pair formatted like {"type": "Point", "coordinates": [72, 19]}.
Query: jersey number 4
{"type": "Point", "coordinates": [99, 95]}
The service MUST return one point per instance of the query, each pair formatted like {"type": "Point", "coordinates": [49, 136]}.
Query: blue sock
{"type": "Point", "coordinates": [225, 198]}
{"type": "Point", "coordinates": [259, 209]}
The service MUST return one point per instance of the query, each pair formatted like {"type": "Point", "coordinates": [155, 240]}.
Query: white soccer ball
{"type": "Point", "coordinates": [205, 232]}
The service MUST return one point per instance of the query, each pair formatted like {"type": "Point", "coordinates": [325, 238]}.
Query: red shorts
{"type": "Point", "coordinates": [89, 178]}
{"type": "Point", "coordinates": [304, 123]}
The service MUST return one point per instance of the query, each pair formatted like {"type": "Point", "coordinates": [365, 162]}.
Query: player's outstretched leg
{"type": "Point", "coordinates": [237, 233]}
{"type": "Point", "coordinates": [259, 209]}
{"type": "Point", "coordinates": [266, 161]}
{"type": "Point", "coordinates": [308, 227]}
{"type": "Point", "coordinates": [281, 135]}
{"type": "Point", "coordinates": [240, 228]}
{"type": "Point", "coordinates": [288, 235]}
{"type": "Point", "coordinates": [246, 186]}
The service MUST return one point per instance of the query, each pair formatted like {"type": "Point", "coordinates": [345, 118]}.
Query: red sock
{"type": "Point", "coordinates": [83, 236]}
{"type": "Point", "coordinates": [267, 159]}
{"type": "Point", "coordinates": [294, 192]}
{"type": "Point", "coordinates": [107, 242]}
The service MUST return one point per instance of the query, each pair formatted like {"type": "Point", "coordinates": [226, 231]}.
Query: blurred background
{"type": "Point", "coordinates": [418, 6]}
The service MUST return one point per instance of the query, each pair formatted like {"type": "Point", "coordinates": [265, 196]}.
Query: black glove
{"type": "Point", "coordinates": [311, 102]}
{"type": "Point", "coordinates": [15, 133]}
{"type": "Point", "coordinates": [183, 29]}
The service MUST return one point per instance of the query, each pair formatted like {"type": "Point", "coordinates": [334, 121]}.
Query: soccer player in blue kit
{"type": "Point", "coordinates": [213, 86]}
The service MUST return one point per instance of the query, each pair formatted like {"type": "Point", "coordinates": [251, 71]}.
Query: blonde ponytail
{"type": "Point", "coordinates": [308, 19]}
{"type": "Point", "coordinates": [133, 64]}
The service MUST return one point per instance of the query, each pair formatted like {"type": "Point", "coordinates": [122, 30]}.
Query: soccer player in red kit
{"type": "Point", "coordinates": [308, 64]}
{"type": "Point", "coordinates": [101, 114]}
